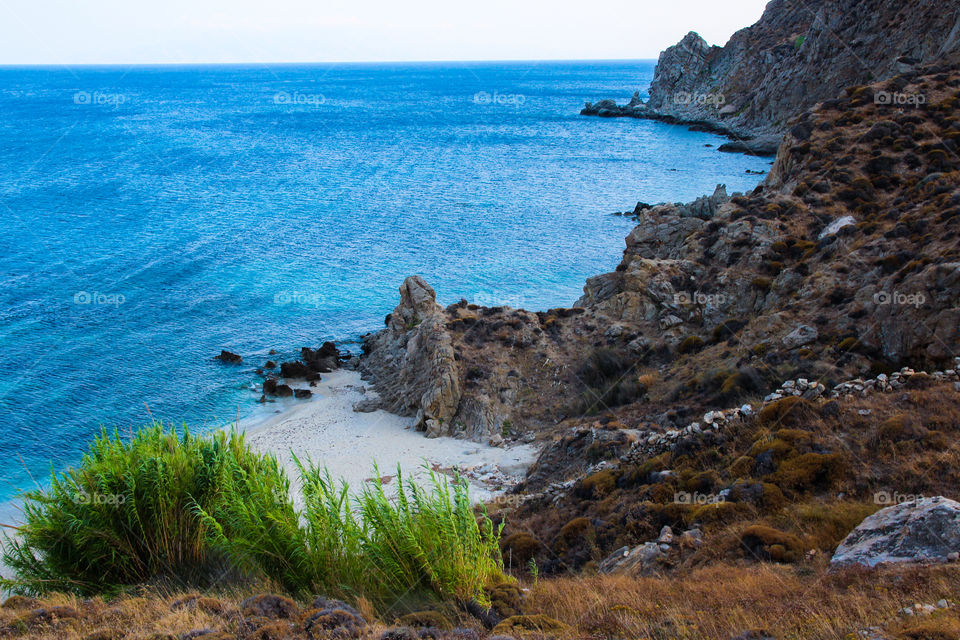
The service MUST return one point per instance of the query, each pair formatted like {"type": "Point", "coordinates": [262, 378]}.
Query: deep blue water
{"type": "Point", "coordinates": [154, 215]}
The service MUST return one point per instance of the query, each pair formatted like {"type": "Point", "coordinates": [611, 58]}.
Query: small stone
{"type": "Point", "coordinates": [863, 412]}
{"type": "Point", "coordinates": [942, 603]}
{"type": "Point", "coordinates": [953, 556]}
{"type": "Point", "coordinates": [666, 535]}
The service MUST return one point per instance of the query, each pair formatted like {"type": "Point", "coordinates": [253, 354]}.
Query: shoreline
{"type": "Point", "coordinates": [326, 430]}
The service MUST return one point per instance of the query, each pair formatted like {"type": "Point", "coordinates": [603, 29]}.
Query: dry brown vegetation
{"type": "Point", "coordinates": [724, 601]}
{"type": "Point", "coordinates": [800, 475]}
{"type": "Point", "coordinates": [721, 601]}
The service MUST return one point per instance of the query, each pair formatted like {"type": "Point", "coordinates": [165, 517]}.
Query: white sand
{"type": "Point", "coordinates": [327, 430]}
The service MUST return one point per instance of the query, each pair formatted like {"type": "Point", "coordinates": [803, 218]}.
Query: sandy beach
{"type": "Point", "coordinates": [328, 431]}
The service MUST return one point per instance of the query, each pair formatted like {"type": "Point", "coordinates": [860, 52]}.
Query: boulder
{"type": "Point", "coordinates": [803, 334]}
{"type": "Point", "coordinates": [412, 361]}
{"type": "Point", "coordinates": [228, 357]}
{"type": "Point", "coordinates": [322, 360]}
{"type": "Point", "coordinates": [297, 369]}
{"type": "Point", "coordinates": [920, 530]}
{"type": "Point", "coordinates": [641, 559]}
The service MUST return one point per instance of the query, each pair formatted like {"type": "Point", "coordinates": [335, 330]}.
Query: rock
{"type": "Point", "coordinates": [803, 334]}
{"type": "Point", "coordinates": [767, 74]}
{"type": "Point", "coordinates": [765, 146]}
{"type": "Point", "coordinates": [228, 357]}
{"type": "Point", "coordinates": [639, 560]}
{"type": "Point", "coordinates": [322, 360]}
{"type": "Point", "coordinates": [835, 226]}
{"type": "Point", "coordinates": [270, 365]}
{"type": "Point", "coordinates": [666, 535]}
{"type": "Point", "coordinates": [414, 368]}
{"type": "Point", "coordinates": [922, 530]}
{"type": "Point", "coordinates": [284, 391]}
{"type": "Point", "coordinates": [302, 393]}
{"type": "Point", "coordinates": [297, 370]}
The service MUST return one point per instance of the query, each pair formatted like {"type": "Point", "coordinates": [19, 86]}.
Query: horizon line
{"type": "Point", "coordinates": [37, 65]}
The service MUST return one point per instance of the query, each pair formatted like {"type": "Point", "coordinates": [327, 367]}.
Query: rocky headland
{"type": "Point", "coordinates": [759, 374]}
{"type": "Point", "coordinates": [796, 55]}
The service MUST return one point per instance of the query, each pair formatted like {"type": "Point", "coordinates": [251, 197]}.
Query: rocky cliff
{"type": "Point", "coordinates": [795, 56]}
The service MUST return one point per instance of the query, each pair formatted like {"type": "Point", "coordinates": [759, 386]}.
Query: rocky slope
{"type": "Point", "coordinates": [795, 56]}
{"type": "Point", "coordinates": [844, 265]}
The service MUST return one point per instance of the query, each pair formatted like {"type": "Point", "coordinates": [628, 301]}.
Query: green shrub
{"type": "Point", "coordinates": [128, 513]}
{"type": "Point", "coordinates": [424, 545]}
{"type": "Point", "coordinates": [196, 510]}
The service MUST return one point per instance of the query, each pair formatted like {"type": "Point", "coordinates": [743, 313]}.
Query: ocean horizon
{"type": "Point", "coordinates": [157, 214]}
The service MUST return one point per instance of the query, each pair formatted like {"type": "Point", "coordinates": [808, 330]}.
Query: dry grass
{"type": "Point", "coordinates": [723, 601]}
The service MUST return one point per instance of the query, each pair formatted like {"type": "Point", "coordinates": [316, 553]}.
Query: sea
{"type": "Point", "coordinates": [154, 215]}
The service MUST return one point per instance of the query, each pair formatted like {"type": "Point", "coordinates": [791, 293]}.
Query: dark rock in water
{"type": "Point", "coordinates": [297, 369]}
{"type": "Point", "coordinates": [302, 393]}
{"type": "Point", "coordinates": [271, 387]}
{"type": "Point", "coordinates": [270, 365]}
{"type": "Point", "coordinates": [272, 352]}
{"type": "Point", "coordinates": [228, 357]}
{"type": "Point", "coordinates": [757, 147]}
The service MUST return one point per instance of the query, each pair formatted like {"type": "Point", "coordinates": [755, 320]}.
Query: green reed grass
{"type": "Point", "coordinates": [200, 509]}
{"type": "Point", "coordinates": [127, 513]}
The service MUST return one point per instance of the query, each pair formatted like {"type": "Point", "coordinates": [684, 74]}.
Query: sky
{"type": "Point", "coordinates": [244, 31]}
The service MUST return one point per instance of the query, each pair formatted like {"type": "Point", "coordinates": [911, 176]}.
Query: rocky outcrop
{"type": "Point", "coordinates": [796, 55]}
{"type": "Point", "coordinates": [919, 530]}
{"type": "Point", "coordinates": [412, 361]}
{"type": "Point", "coordinates": [229, 357]}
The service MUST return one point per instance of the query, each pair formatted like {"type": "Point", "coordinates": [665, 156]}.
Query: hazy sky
{"type": "Point", "coordinates": [177, 31]}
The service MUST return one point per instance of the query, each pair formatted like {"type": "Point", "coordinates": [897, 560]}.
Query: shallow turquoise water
{"type": "Point", "coordinates": [154, 215]}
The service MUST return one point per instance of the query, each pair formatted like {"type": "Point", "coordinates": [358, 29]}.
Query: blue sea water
{"type": "Point", "coordinates": [154, 215]}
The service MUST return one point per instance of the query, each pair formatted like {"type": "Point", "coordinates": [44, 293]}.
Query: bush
{"type": "Point", "coordinates": [128, 513]}
{"type": "Point", "coordinates": [792, 410]}
{"type": "Point", "coordinates": [767, 543]}
{"type": "Point", "coordinates": [423, 545]}
{"type": "Point", "coordinates": [690, 343]}
{"type": "Point", "coordinates": [196, 509]}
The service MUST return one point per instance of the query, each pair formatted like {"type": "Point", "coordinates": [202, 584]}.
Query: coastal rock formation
{"type": "Point", "coordinates": [919, 530]}
{"type": "Point", "coordinates": [796, 55]}
{"type": "Point", "coordinates": [413, 362]}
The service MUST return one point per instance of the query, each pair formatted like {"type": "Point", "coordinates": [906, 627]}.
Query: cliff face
{"type": "Point", "coordinates": [845, 261]}
{"type": "Point", "coordinates": [796, 55]}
